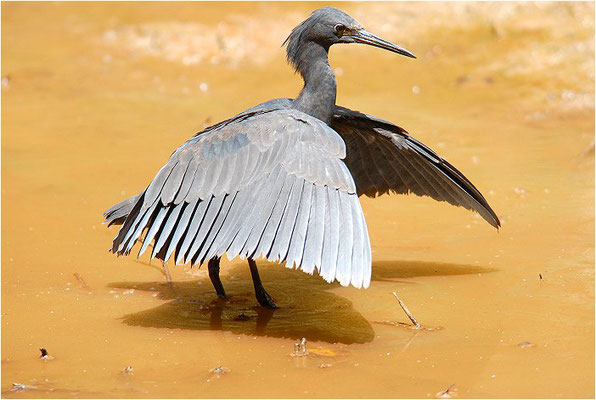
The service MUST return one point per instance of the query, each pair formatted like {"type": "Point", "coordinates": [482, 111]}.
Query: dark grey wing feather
{"type": "Point", "coordinates": [270, 183]}
{"type": "Point", "coordinates": [201, 255]}
{"type": "Point", "coordinates": [284, 233]}
{"type": "Point", "coordinates": [193, 227]}
{"type": "Point", "coordinates": [274, 221]}
{"type": "Point", "coordinates": [261, 216]}
{"type": "Point", "coordinates": [231, 240]}
{"type": "Point", "coordinates": [164, 233]}
{"type": "Point", "coordinates": [186, 181]}
{"type": "Point", "coordinates": [206, 225]}
{"type": "Point", "coordinates": [116, 214]}
{"type": "Point", "coordinates": [383, 158]}
{"type": "Point", "coordinates": [140, 226]}
{"type": "Point", "coordinates": [296, 243]}
{"type": "Point", "coordinates": [345, 245]}
{"type": "Point", "coordinates": [181, 227]}
{"type": "Point", "coordinates": [313, 247]}
{"type": "Point", "coordinates": [332, 227]}
{"type": "Point", "coordinates": [153, 228]}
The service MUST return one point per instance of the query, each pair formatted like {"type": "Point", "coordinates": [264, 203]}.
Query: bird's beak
{"type": "Point", "coordinates": [365, 37]}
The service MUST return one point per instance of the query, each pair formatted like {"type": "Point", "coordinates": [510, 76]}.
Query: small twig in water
{"type": "Point", "coordinates": [446, 394]}
{"type": "Point", "coordinates": [81, 281]}
{"type": "Point", "coordinates": [408, 313]}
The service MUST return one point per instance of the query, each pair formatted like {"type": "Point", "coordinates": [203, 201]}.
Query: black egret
{"type": "Point", "coordinates": [282, 179]}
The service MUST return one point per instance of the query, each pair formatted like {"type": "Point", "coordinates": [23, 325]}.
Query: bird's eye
{"type": "Point", "coordinates": [339, 30]}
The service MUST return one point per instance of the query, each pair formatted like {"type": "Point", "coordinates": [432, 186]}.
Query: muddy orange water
{"type": "Point", "coordinates": [95, 97]}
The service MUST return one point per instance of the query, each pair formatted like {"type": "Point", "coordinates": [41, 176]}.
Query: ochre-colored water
{"type": "Point", "coordinates": [96, 96]}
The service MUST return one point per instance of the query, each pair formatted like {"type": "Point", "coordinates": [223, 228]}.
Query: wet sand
{"type": "Point", "coordinates": [96, 96]}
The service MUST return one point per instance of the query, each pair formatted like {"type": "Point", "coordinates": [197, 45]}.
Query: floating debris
{"type": "Point", "coordinates": [129, 291]}
{"type": "Point", "coordinates": [416, 89]}
{"type": "Point", "coordinates": [520, 191]}
{"type": "Point", "coordinates": [17, 387]}
{"type": "Point", "coordinates": [300, 349]}
{"type": "Point", "coordinates": [127, 371]}
{"type": "Point", "coordinates": [525, 345]}
{"type": "Point", "coordinates": [45, 355]}
{"type": "Point", "coordinates": [325, 365]}
{"type": "Point", "coordinates": [447, 394]}
{"type": "Point", "coordinates": [5, 82]}
{"type": "Point", "coordinates": [242, 317]}
{"type": "Point", "coordinates": [219, 370]}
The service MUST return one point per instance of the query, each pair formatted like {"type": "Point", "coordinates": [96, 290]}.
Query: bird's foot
{"type": "Point", "coordinates": [265, 300]}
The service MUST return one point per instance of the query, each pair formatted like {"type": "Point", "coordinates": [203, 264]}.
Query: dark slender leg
{"type": "Point", "coordinates": [214, 275]}
{"type": "Point", "coordinates": [262, 296]}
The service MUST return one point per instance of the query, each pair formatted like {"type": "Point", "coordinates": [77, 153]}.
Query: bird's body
{"type": "Point", "coordinates": [282, 179]}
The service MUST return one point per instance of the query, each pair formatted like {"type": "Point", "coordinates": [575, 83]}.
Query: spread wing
{"type": "Point", "coordinates": [116, 214]}
{"type": "Point", "coordinates": [269, 183]}
{"type": "Point", "coordinates": [383, 158]}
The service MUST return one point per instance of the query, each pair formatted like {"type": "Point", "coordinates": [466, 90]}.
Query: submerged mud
{"type": "Point", "coordinates": [96, 96]}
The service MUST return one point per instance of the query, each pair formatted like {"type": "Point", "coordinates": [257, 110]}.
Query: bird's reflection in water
{"type": "Point", "coordinates": [306, 308]}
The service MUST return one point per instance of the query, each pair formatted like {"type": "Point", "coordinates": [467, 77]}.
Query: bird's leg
{"type": "Point", "coordinates": [262, 296]}
{"type": "Point", "coordinates": [214, 275]}
{"type": "Point", "coordinates": [167, 272]}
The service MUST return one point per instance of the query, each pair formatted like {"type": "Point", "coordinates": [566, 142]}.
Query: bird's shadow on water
{"type": "Point", "coordinates": [396, 270]}
{"type": "Point", "coordinates": [306, 307]}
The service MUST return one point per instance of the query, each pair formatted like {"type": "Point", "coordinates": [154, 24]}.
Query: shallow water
{"type": "Point", "coordinates": [96, 96]}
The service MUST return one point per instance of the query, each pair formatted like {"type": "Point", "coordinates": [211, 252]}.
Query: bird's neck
{"type": "Point", "coordinates": [317, 98]}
